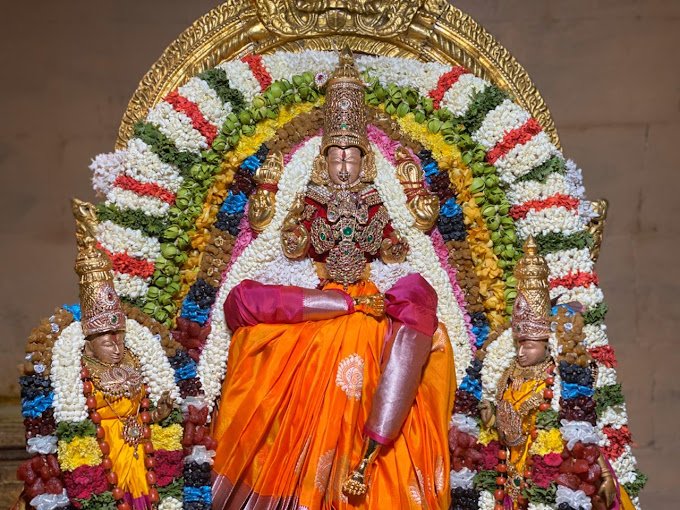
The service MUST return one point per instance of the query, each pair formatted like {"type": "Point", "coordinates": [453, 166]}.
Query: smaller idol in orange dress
{"type": "Point", "coordinates": [523, 387]}
{"type": "Point", "coordinates": [112, 369]}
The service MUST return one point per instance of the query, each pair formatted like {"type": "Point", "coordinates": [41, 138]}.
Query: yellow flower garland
{"type": "Point", "coordinates": [246, 146]}
{"type": "Point", "coordinates": [448, 157]}
{"type": "Point", "coordinates": [486, 435]}
{"type": "Point", "coordinates": [547, 441]}
{"type": "Point", "coordinates": [167, 438]}
{"type": "Point", "coordinates": [80, 451]}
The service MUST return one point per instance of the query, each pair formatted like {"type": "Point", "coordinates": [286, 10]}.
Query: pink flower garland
{"type": "Point", "coordinates": [386, 145]}
{"type": "Point", "coordinates": [443, 256]}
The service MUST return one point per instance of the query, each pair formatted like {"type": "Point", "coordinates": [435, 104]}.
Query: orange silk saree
{"type": "Point", "coordinates": [290, 423]}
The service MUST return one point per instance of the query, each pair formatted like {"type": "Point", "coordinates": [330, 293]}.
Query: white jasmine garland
{"type": "Point", "coordinates": [283, 271]}
{"type": "Point", "coordinates": [555, 350]}
{"type": "Point", "coordinates": [465, 424]}
{"type": "Point", "coordinates": [574, 177]}
{"type": "Point", "coordinates": [636, 502]}
{"type": "Point", "coordinates": [605, 376]}
{"type": "Point", "coordinates": [241, 78]}
{"type": "Point", "coordinates": [462, 479]}
{"type": "Point", "coordinates": [556, 219]}
{"type": "Point", "coordinates": [589, 296]}
{"type": "Point", "coordinates": [522, 158]}
{"type": "Point", "coordinates": [486, 500]}
{"type": "Point", "coordinates": [459, 97]}
{"type": "Point", "coordinates": [613, 416]}
{"type": "Point", "coordinates": [423, 258]}
{"type": "Point", "coordinates": [265, 248]}
{"type": "Point", "coordinates": [523, 191]}
{"type": "Point", "coordinates": [209, 103]}
{"type": "Point", "coordinates": [404, 72]}
{"type": "Point", "coordinates": [127, 199]}
{"type": "Point", "coordinates": [576, 499]}
{"type": "Point", "coordinates": [130, 286]}
{"type": "Point", "coordinates": [499, 121]}
{"type": "Point", "coordinates": [69, 401]}
{"type": "Point", "coordinates": [170, 503]}
{"type": "Point", "coordinates": [624, 466]}
{"type": "Point", "coordinates": [539, 506]}
{"type": "Point", "coordinates": [284, 65]}
{"type": "Point", "coordinates": [595, 336]}
{"type": "Point", "coordinates": [117, 239]}
{"type": "Point", "coordinates": [565, 262]}
{"type": "Point", "coordinates": [384, 276]}
{"type": "Point", "coordinates": [144, 165]}
{"type": "Point", "coordinates": [41, 445]}
{"type": "Point", "coordinates": [499, 355]}
{"type": "Point", "coordinates": [200, 455]}
{"type": "Point", "coordinates": [177, 127]}
{"type": "Point", "coordinates": [50, 501]}
{"type": "Point", "coordinates": [158, 375]}
{"type": "Point", "coordinates": [105, 169]}
{"type": "Point", "coordinates": [583, 431]}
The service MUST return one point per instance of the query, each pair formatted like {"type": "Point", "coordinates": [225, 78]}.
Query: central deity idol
{"type": "Point", "coordinates": [337, 397]}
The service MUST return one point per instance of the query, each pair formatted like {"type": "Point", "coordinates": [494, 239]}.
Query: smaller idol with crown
{"type": "Point", "coordinates": [93, 436]}
{"type": "Point", "coordinates": [543, 451]}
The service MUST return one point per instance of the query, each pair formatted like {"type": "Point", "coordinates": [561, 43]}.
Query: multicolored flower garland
{"type": "Point", "coordinates": [505, 147]}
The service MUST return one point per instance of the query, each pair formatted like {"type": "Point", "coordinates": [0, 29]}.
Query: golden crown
{"type": "Point", "coordinates": [101, 310]}
{"type": "Point", "coordinates": [344, 110]}
{"type": "Point", "coordinates": [531, 311]}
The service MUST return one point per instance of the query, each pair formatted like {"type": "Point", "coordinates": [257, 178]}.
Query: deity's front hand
{"type": "Point", "coordinates": [163, 408]}
{"type": "Point", "coordinates": [373, 304]}
{"type": "Point", "coordinates": [487, 413]}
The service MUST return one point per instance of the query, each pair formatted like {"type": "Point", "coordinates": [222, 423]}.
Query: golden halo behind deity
{"type": "Point", "coordinates": [426, 30]}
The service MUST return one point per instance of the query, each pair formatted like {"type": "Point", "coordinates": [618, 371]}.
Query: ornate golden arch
{"type": "Point", "coordinates": [428, 30]}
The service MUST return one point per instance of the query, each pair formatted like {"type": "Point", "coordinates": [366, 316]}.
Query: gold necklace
{"type": "Point", "coordinates": [509, 419]}
{"type": "Point", "coordinates": [116, 381]}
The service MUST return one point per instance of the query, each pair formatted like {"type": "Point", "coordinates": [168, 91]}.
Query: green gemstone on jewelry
{"type": "Point", "coordinates": [347, 231]}
{"type": "Point", "coordinates": [370, 238]}
{"type": "Point", "coordinates": [322, 236]}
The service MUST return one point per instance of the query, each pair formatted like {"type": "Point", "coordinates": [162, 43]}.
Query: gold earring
{"type": "Point", "coordinates": [368, 168]}
{"type": "Point", "coordinates": [320, 171]}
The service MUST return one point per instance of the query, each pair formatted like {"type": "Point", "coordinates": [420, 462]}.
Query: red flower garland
{"type": "Point", "coordinates": [513, 138]}
{"type": "Point", "coordinates": [605, 355]}
{"type": "Point", "coordinates": [518, 212]}
{"type": "Point", "coordinates": [146, 189]}
{"type": "Point", "coordinates": [259, 71]}
{"type": "Point", "coordinates": [168, 466]}
{"type": "Point", "coordinates": [445, 82]}
{"type": "Point", "coordinates": [127, 264]}
{"type": "Point", "coordinates": [573, 280]}
{"type": "Point", "coordinates": [84, 481]}
{"type": "Point", "coordinates": [618, 440]}
{"type": "Point", "coordinates": [190, 109]}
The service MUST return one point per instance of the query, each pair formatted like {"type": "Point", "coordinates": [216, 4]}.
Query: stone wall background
{"type": "Point", "coordinates": [606, 68]}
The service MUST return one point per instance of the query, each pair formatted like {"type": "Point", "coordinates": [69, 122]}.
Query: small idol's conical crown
{"type": "Point", "coordinates": [531, 311]}
{"type": "Point", "coordinates": [101, 310]}
{"type": "Point", "coordinates": [344, 111]}
{"type": "Point", "coordinates": [270, 171]}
